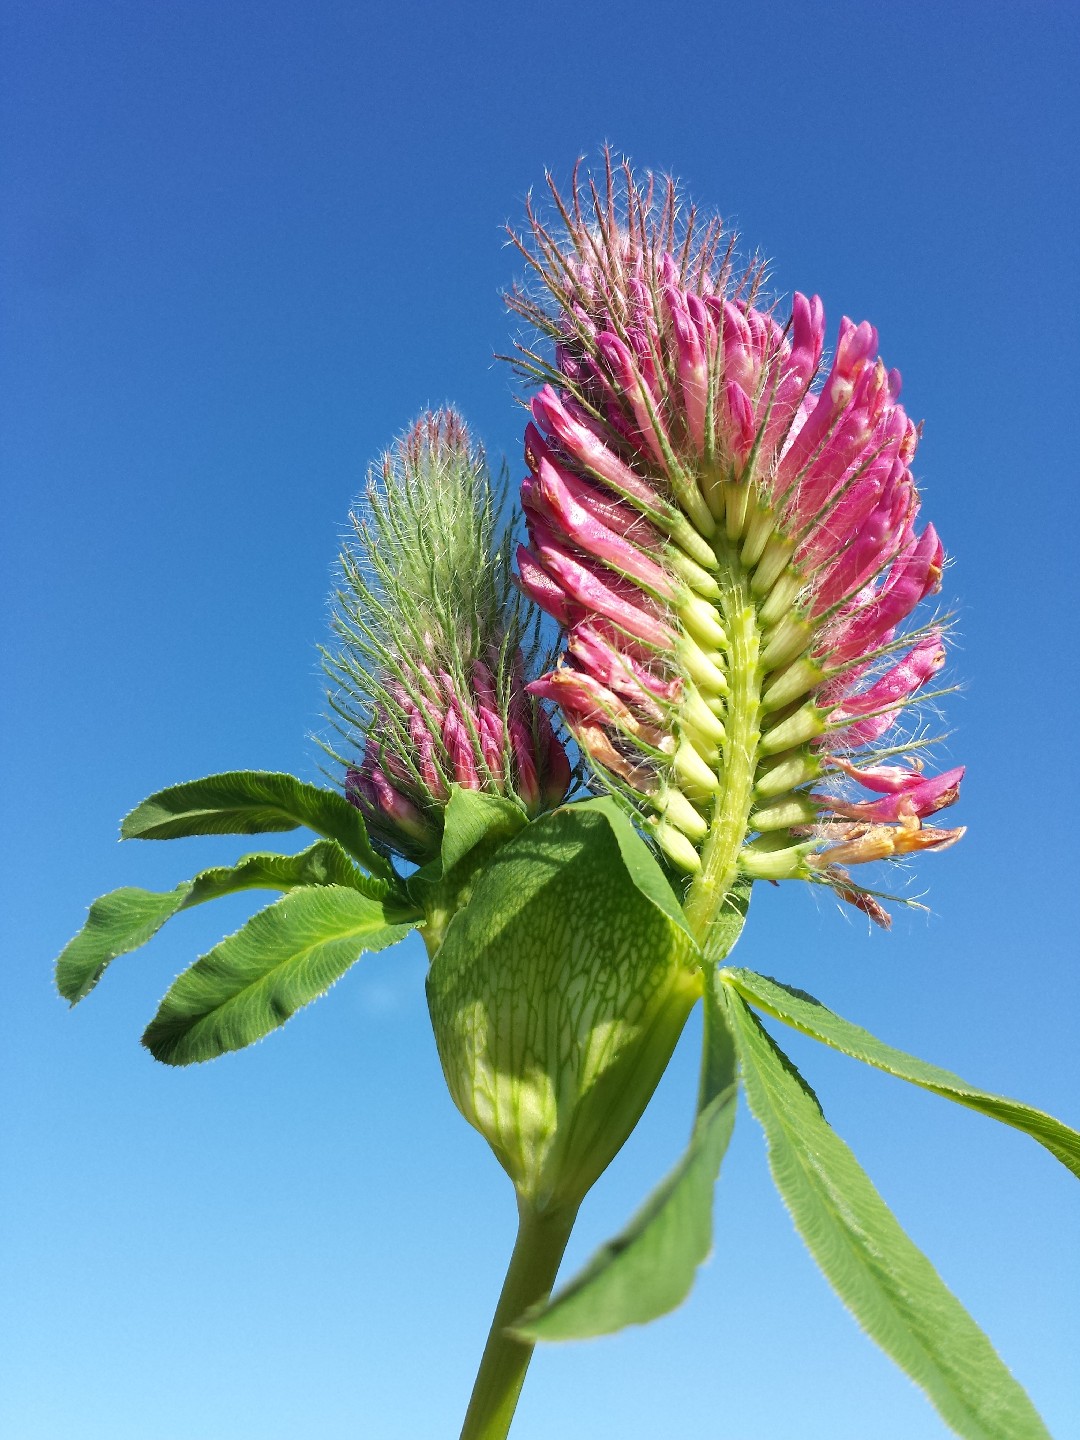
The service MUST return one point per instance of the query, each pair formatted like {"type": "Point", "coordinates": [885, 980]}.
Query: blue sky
{"type": "Point", "coordinates": [244, 246]}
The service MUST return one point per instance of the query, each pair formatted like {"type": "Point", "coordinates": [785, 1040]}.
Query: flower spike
{"type": "Point", "coordinates": [727, 536]}
{"type": "Point", "coordinates": [430, 674]}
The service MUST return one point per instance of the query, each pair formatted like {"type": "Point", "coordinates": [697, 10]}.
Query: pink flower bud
{"type": "Point", "coordinates": [453, 709]}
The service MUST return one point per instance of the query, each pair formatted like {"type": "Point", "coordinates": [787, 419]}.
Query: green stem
{"type": "Point", "coordinates": [720, 855]}
{"type": "Point", "coordinates": [538, 1251]}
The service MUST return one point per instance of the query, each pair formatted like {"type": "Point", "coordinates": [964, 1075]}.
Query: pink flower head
{"type": "Point", "coordinates": [726, 529]}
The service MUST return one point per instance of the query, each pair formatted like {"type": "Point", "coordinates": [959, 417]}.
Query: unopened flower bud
{"type": "Point", "coordinates": [430, 673]}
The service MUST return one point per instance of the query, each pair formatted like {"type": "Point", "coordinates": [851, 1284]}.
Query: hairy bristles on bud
{"type": "Point", "coordinates": [726, 533]}
{"type": "Point", "coordinates": [435, 646]}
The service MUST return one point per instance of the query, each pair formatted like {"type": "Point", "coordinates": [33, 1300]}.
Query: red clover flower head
{"type": "Point", "coordinates": [725, 528]}
{"type": "Point", "coordinates": [434, 643]}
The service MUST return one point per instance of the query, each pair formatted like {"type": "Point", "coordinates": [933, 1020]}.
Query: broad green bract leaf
{"type": "Point", "coordinates": [803, 1012]}
{"type": "Point", "coordinates": [558, 994]}
{"type": "Point", "coordinates": [649, 1267]}
{"type": "Point", "coordinates": [889, 1285]}
{"type": "Point", "coordinates": [250, 983]}
{"type": "Point", "coordinates": [125, 919]}
{"type": "Point", "coordinates": [252, 802]}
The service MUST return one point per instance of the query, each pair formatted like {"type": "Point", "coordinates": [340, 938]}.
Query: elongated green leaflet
{"type": "Point", "coordinates": [125, 919]}
{"type": "Point", "coordinates": [283, 958]}
{"type": "Point", "coordinates": [802, 1012]}
{"type": "Point", "coordinates": [649, 1267]}
{"type": "Point", "coordinates": [118, 922]}
{"type": "Point", "coordinates": [888, 1284]}
{"type": "Point", "coordinates": [253, 802]}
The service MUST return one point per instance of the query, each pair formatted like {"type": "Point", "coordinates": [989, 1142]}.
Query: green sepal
{"type": "Point", "coordinates": [281, 959]}
{"type": "Point", "coordinates": [802, 1012]}
{"type": "Point", "coordinates": [474, 820]}
{"type": "Point", "coordinates": [890, 1287]}
{"type": "Point", "coordinates": [127, 918]}
{"type": "Point", "coordinates": [253, 802]}
{"type": "Point", "coordinates": [558, 994]}
{"type": "Point", "coordinates": [648, 1268]}
{"type": "Point", "coordinates": [475, 826]}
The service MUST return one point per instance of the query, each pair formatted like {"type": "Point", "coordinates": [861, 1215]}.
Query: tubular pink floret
{"type": "Point", "coordinates": [603, 506]}
{"type": "Point", "coordinates": [914, 574]}
{"type": "Point", "coordinates": [446, 733]}
{"type": "Point", "coordinates": [629, 383]}
{"type": "Point", "coordinates": [370, 791]}
{"type": "Point", "coordinates": [622, 672]}
{"type": "Point", "coordinates": [542, 587]}
{"type": "Point", "coordinates": [595, 589]}
{"type": "Point", "coordinates": [691, 339]}
{"type": "Point", "coordinates": [550, 497]}
{"type": "Point", "coordinates": [580, 443]}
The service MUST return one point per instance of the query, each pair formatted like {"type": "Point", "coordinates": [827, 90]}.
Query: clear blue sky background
{"type": "Point", "coordinates": [244, 244]}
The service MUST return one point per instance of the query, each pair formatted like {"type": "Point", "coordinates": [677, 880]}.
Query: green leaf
{"type": "Point", "coordinates": [324, 863]}
{"type": "Point", "coordinates": [888, 1284]}
{"type": "Point", "coordinates": [475, 825]}
{"type": "Point", "coordinates": [471, 819]}
{"type": "Point", "coordinates": [802, 1012]}
{"type": "Point", "coordinates": [649, 1267]}
{"type": "Point", "coordinates": [118, 922]}
{"type": "Point", "coordinates": [253, 802]}
{"type": "Point", "coordinates": [557, 996]}
{"type": "Point", "coordinates": [283, 958]}
{"type": "Point", "coordinates": [638, 860]}
{"type": "Point", "coordinates": [125, 919]}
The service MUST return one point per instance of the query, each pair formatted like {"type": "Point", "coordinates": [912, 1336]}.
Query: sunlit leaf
{"type": "Point", "coordinates": [254, 980]}
{"type": "Point", "coordinates": [888, 1284]}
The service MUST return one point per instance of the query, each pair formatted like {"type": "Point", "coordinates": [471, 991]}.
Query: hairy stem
{"type": "Point", "coordinates": [538, 1251]}
{"type": "Point", "coordinates": [731, 811]}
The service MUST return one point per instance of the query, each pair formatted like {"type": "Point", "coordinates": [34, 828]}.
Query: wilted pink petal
{"type": "Point", "coordinates": [930, 794]}
{"type": "Point", "coordinates": [884, 779]}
